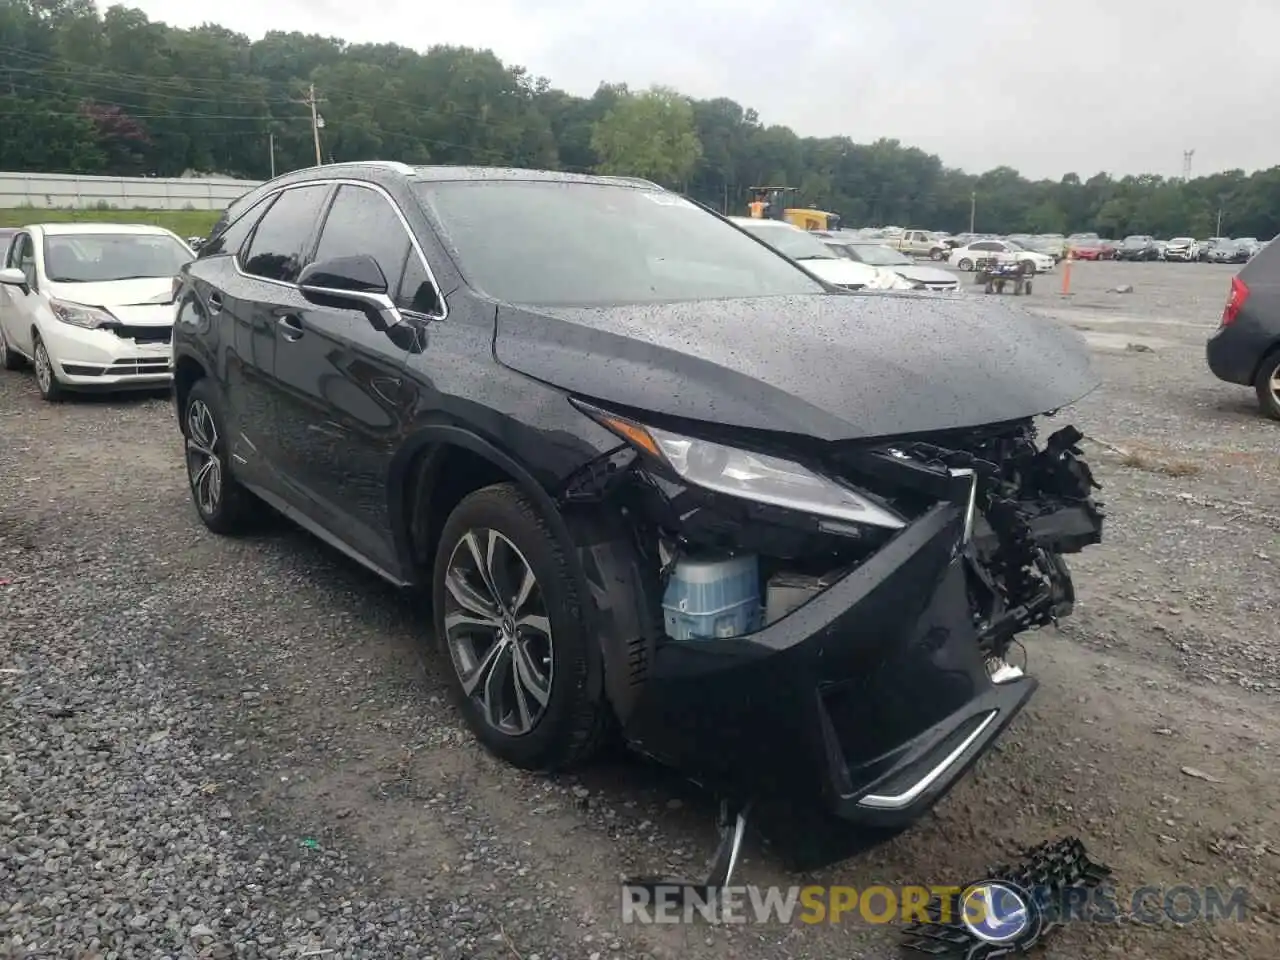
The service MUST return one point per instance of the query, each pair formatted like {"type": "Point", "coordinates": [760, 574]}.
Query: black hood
{"type": "Point", "coordinates": [827, 366]}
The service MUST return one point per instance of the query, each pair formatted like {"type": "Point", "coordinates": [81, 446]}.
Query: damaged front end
{"type": "Point", "coordinates": [828, 622]}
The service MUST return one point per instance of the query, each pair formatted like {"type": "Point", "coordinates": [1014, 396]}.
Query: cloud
{"type": "Point", "coordinates": [1118, 85]}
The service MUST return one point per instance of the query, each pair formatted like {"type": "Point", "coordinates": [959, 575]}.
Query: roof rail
{"type": "Point", "coordinates": [395, 165]}
{"type": "Point", "coordinates": [640, 182]}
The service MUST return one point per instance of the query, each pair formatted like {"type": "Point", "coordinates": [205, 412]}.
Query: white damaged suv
{"type": "Point", "coordinates": [90, 305]}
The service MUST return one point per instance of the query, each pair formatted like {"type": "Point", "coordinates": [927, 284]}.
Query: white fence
{"type": "Point", "coordinates": [146, 193]}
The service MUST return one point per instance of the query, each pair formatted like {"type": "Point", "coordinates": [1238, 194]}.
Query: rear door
{"type": "Point", "coordinates": [257, 286]}
{"type": "Point", "coordinates": [342, 401]}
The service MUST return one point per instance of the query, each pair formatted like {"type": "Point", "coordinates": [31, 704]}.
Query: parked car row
{"type": "Point", "coordinates": [942, 246]}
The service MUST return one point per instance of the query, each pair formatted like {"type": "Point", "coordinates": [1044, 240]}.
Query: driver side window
{"type": "Point", "coordinates": [23, 256]}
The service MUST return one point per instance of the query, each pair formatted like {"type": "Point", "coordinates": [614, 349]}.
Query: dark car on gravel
{"type": "Point", "coordinates": [1246, 347]}
{"type": "Point", "coordinates": [658, 480]}
{"type": "Point", "coordinates": [1138, 247]}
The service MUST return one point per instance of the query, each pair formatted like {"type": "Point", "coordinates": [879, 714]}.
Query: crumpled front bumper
{"type": "Point", "coordinates": [871, 700]}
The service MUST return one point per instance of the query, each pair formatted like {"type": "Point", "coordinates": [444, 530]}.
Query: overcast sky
{"type": "Point", "coordinates": [1046, 86]}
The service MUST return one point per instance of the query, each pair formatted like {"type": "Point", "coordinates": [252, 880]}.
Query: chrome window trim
{"type": "Point", "coordinates": [404, 222]}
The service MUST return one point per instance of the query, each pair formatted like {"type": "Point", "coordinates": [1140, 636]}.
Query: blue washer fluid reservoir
{"type": "Point", "coordinates": [708, 598]}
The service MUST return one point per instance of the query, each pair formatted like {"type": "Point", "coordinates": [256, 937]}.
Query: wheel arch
{"type": "Point", "coordinates": [433, 472]}
{"type": "Point", "coordinates": [187, 370]}
{"type": "Point", "coordinates": [439, 466]}
{"type": "Point", "coordinates": [1265, 355]}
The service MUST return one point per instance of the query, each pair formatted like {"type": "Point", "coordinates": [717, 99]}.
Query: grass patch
{"type": "Point", "coordinates": [185, 223]}
{"type": "Point", "coordinates": [1170, 468]}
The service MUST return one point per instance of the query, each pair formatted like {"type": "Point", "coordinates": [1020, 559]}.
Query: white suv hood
{"type": "Point", "coordinates": [844, 272]}
{"type": "Point", "coordinates": [146, 301]}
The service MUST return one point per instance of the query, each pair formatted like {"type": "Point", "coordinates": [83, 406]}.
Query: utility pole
{"type": "Point", "coordinates": [271, 145]}
{"type": "Point", "coordinates": [973, 209]}
{"type": "Point", "coordinates": [317, 121]}
{"type": "Point", "coordinates": [1217, 232]}
{"type": "Point", "coordinates": [1186, 164]}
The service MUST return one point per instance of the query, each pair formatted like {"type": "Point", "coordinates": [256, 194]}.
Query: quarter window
{"type": "Point", "coordinates": [362, 221]}
{"type": "Point", "coordinates": [417, 292]}
{"type": "Point", "coordinates": [279, 241]}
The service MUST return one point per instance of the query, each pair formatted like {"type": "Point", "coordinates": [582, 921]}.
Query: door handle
{"type": "Point", "coordinates": [215, 302]}
{"type": "Point", "coordinates": [290, 327]}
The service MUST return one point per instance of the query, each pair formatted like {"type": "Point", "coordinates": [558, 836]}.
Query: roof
{"type": "Point", "coordinates": [80, 229]}
{"type": "Point", "coordinates": [445, 173]}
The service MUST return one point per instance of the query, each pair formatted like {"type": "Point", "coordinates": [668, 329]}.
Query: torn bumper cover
{"type": "Point", "coordinates": [872, 698]}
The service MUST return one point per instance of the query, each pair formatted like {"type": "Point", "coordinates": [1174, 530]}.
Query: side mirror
{"type": "Point", "coordinates": [352, 280]}
{"type": "Point", "coordinates": [13, 277]}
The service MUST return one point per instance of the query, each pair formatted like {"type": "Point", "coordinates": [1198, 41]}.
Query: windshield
{"type": "Point", "coordinates": [1133, 241]}
{"type": "Point", "coordinates": [880, 256]}
{"type": "Point", "coordinates": [1182, 241]}
{"type": "Point", "coordinates": [103, 257]}
{"type": "Point", "coordinates": [789, 241]}
{"type": "Point", "coordinates": [588, 244]}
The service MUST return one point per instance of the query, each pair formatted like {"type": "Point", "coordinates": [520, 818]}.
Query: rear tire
{"type": "Point", "coordinates": [224, 506]}
{"type": "Point", "coordinates": [1267, 385]}
{"type": "Point", "coordinates": [528, 654]}
{"type": "Point", "coordinates": [966, 264]}
{"type": "Point", "coordinates": [9, 360]}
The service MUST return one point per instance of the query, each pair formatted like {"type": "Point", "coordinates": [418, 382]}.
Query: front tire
{"type": "Point", "coordinates": [224, 506]}
{"type": "Point", "coordinates": [966, 264]}
{"type": "Point", "coordinates": [509, 613]}
{"type": "Point", "coordinates": [46, 380]}
{"type": "Point", "coordinates": [1267, 385]}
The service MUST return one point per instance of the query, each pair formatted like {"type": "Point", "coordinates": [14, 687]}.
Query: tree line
{"type": "Point", "coordinates": [112, 92]}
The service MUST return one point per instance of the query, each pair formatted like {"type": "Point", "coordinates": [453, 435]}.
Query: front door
{"type": "Point", "coordinates": [20, 313]}
{"type": "Point", "coordinates": [341, 400]}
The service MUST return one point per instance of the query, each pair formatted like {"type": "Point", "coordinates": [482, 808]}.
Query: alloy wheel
{"type": "Point", "coordinates": [1274, 384]}
{"type": "Point", "coordinates": [4, 352]}
{"type": "Point", "coordinates": [44, 370]}
{"type": "Point", "coordinates": [498, 632]}
{"type": "Point", "coordinates": [204, 467]}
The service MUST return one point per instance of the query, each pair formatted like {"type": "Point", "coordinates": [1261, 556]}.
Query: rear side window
{"type": "Point", "coordinates": [232, 237]}
{"type": "Point", "coordinates": [362, 221]}
{"type": "Point", "coordinates": [1263, 266]}
{"type": "Point", "coordinates": [278, 243]}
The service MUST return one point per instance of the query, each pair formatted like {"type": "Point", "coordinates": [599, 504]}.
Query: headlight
{"type": "Point", "coordinates": [79, 315]}
{"type": "Point", "coordinates": [750, 476]}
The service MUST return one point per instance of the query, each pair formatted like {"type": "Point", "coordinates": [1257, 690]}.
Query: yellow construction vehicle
{"type": "Point", "coordinates": [771, 203]}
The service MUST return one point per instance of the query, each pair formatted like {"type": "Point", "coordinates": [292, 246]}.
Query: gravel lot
{"type": "Point", "coordinates": [242, 748]}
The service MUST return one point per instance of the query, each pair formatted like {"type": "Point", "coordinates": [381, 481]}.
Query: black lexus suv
{"type": "Point", "coordinates": [660, 482]}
